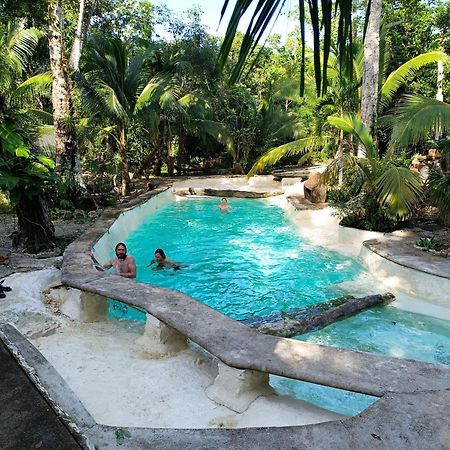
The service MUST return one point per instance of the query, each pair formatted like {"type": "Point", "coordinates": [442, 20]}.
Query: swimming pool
{"type": "Point", "coordinates": [252, 261]}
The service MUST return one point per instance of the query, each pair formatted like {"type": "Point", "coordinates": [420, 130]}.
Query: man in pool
{"type": "Point", "coordinates": [124, 264]}
{"type": "Point", "coordinates": [163, 262]}
{"type": "Point", "coordinates": [223, 206]}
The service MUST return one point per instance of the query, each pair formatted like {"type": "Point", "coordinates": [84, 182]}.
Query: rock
{"type": "Point", "coordinates": [417, 163]}
{"type": "Point", "coordinates": [93, 214]}
{"type": "Point", "coordinates": [424, 172]}
{"type": "Point", "coordinates": [314, 190]}
{"type": "Point", "coordinates": [434, 153]}
{"type": "Point", "coordinates": [79, 214]}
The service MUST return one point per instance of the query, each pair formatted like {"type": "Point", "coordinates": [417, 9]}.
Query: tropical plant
{"type": "Point", "coordinates": [341, 86]}
{"type": "Point", "coordinates": [397, 190]}
{"type": "Point", "coordinates": [114, 93]}
{"type": "Point", "coordinates": [24, 171]}
{"type": "Point", "coordinates": [321, 18]}
{"type": "Point", "coordinates": [439, 184]}
{"type": "Point", "coordinates": [415, 118]}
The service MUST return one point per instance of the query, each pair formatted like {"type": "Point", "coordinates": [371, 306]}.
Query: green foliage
{"type": "Point", "coordinates": [64, 194]}
{"type": "Point", "coordinates": [121, 435]}
{"type": "Point", "coordinates": [439, 184]}
{"type": "Point", "coordinates": [406, 72]}
{"type": "Point", "coordinates": [428, 243]}
{"type": "Point", "coordinates": [390, 192]}
{"type": "Point", "coordinates": [364, 212]}
{"type": "Point", "coordinates": [23, 171]}
{"type": "Point", "coordinates": [415, 118]}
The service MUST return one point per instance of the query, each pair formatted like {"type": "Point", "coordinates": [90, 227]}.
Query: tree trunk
{"type": "Point", "coordinates": [181, 150]}
{"type": "Point", "coordinates": [371, 69]}
{"type": "Point", "coordinates": [123, 147]}
{"type": "Point", "coordinates": [84, 17]}
{"type": "Point", "coordinates": [144, 164]}
{"type": "Point", "coordinates": [439, 93]}
{"type": "Point", "coordinates": [36, 231]}
{"type": "Point", "coordinates": [317, 316]}
{"type": "Point", "coordinates": [65, 139]}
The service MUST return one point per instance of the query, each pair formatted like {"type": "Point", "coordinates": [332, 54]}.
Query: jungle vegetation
{"type": "Point", "coordinates": [95, 99]}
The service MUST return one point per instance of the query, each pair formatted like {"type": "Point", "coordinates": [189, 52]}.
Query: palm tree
{"type": "Point", "coordinates": [397, 190]}
{"type": "Point", "coordinates": [320, 17]}
{"type": "Point", "coordinates": [24, 170]}
{"type": "Point", "coordinates": [415, 119]}
{"type": "Point", "coordinates": [115, 93]}
{"type": "Point", "coordinates": [119, 89]}
{"type": "Point", "coordinates": [335, 96]}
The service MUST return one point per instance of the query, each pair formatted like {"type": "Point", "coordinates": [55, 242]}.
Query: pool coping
{"type": "Point", "coordinates": [410, 392]}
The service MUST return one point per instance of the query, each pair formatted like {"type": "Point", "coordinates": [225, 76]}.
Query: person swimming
{"type": "Point", "coordinates": [124, 265]}
{"type": "Point", "coordinates": [223, 206]}
{"type": "Point", "coordinates": [163, 262]}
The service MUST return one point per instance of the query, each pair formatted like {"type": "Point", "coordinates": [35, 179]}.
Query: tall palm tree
{"type": "Point", "coordinates": [115, 92]}
{"type": "Point", "coordinates": [24, 170]}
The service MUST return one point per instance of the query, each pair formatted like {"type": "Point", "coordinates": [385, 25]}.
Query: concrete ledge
{"type": "Point", "coordinates": [397, 421]}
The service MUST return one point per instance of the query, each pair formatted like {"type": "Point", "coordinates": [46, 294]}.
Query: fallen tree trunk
{"type": "Point", "coordinates": [303, 320]}
{"type": "Point", "coordinates": [224, 192]}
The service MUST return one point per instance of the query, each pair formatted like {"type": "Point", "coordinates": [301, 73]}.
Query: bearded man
{"type": "Point", "coordinates": [124, 264]}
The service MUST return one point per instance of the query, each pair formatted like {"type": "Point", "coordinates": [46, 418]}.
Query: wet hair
{"type": "Point", "coordinates": [223, 198]}
{"type": "Point", "coordinates": [160, 251]}
{"type": "Point", "coordinates": [121, 244]}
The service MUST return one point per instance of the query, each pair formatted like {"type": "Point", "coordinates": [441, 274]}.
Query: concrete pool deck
{"type": "Point", "coordinates": [410, 414]}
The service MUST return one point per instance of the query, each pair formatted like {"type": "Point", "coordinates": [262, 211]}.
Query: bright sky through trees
{"type": "Point", "coordinates": [211, 15]}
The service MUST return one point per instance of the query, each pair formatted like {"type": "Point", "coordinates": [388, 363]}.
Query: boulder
{"type": "Point", "coordinates": [314, 190]}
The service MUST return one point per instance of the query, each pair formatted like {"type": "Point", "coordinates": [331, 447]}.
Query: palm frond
{"type": "Point", "coordinates": [399, 190]}
{"type": "Point", "coordinates": [22, 43]}
{"type": "Point", "coordinates": [38, 85]}
{"type": "Point", "coordinates": [407, 71]}
{"type": "Point", "coordinates": [153, 90]}
{"type": "Point", "coordinates": [354, 126]}
{"type": "Point", "coordinates": [197, 106]}
{"type": "Point", "coordinates": [111, 101]}
{"type": "Point", "coordinates": [440, 192]}
{"type": "Point", "coordinates": [43, 117]}
{"type": "Point", "coordinates": [346, 163]}
{"type": "Point", "coordinates": [219, 132]}
{"type": "Point", "coordinates": [415, 118]}
{"type": "Point", "coordinates": [297, 147]}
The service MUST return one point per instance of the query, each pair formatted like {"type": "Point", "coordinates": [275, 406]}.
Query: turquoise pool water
{"type": "Point", "coordinates": [250, 261]}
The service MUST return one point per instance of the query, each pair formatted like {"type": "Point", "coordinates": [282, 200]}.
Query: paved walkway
{"type": "Point", "coordinates": [26, 419]}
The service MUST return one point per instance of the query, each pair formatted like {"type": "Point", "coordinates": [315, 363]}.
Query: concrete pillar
{"type": "Point", "coordinates": [78, 305]}
{"type": "Point", "coordinates": [237, 389]}
{"type": "Point", "coordinates": [160, 340]}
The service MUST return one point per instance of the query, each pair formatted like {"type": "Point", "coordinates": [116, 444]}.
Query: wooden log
{"type": "Point", "coordinates": [303, 320]}
{"type": "Point", "coordinates": [224, 192]}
